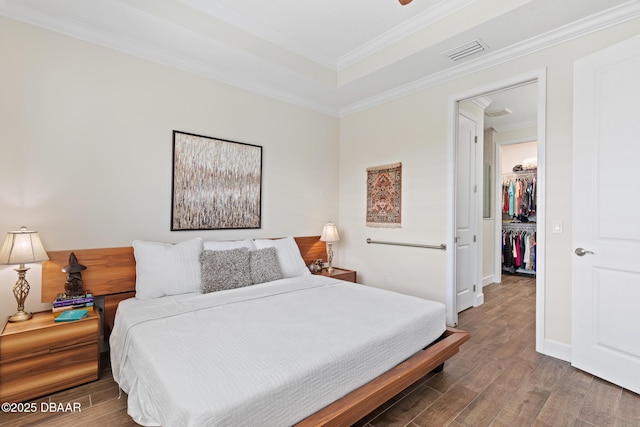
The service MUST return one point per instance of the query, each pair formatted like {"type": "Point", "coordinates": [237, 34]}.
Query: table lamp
{"type": "Point", "coordinates": [22, 247]}
{"type": "Point", "coordinates": [330, 235]}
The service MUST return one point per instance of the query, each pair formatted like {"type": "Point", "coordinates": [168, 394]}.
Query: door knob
{"type": "Point", "coordinates": [582, 252]}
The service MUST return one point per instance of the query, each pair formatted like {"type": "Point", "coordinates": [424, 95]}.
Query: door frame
{"type": "Point", "coordinates": [539, 76]}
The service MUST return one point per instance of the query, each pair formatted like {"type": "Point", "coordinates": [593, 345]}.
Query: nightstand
{"type": "Point", "coordinates": [39, 356]}
{"type": "Point", "coordinates": [340, 273]}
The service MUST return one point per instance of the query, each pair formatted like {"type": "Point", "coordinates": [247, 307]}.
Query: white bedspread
{"type": "Point", "coordinates": [265, 355]}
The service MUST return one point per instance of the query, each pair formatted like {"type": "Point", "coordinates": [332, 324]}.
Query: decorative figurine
{"type": "Point", "coordinates": [73, 285]}
{"type": "Point", "coordinates": [316, 266]}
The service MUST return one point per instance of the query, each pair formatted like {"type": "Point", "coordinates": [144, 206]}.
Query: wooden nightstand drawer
{"type": "Point", "coordinates": [340, 273]}
{"type": "Point", "coordinates": [40, 356]}
{"type": "Point", "coordinates": [44, 336]}
{"type": "Point", "coordinates": [27, 378]}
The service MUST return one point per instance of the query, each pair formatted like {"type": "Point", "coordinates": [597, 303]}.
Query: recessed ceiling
{"type": "Point", "coordinates": [334, 56]}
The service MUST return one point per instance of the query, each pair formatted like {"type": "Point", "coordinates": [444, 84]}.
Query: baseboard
{"type": "Point", "coordinates": [479, 300]}
{"type": "Point", "coordinates": [488, 280]}
{"type": "Point", "coordinates": [556, 349]}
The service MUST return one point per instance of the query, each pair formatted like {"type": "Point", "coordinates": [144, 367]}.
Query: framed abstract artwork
{"type": "Point", "coordinates": [384, 196]}
{"type": "Point", "coordinates": [217, 183]}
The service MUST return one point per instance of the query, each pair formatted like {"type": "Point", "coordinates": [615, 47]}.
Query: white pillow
{"type": "Point", "coordinates": [291, 261]}
{"type": "Point", "coordinates": [167, 269]}
{"type": "Point", "coordinates": [211, 245]}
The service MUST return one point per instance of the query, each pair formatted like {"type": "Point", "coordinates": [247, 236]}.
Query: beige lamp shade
{"type": "Point", "coordinates": [22, 247]}
{"type": "Point", "coordinates": [330, 233]}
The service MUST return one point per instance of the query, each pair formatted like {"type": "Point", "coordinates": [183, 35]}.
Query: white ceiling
{"type": "Point", "coordinates": [334, 56]}
{"type": "Point", "coordinates": [521, 101]}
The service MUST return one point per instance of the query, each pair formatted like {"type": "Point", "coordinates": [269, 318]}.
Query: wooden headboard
{"type": "Point", "coordinates": [112, 271]}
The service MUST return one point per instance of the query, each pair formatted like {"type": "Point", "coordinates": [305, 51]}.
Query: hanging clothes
{"type": "Point", "coordinates": [512, 201]}
{"type": "Point", "coordinates": [519, 251]}
{"type": "Point", "coordinates": [519, 195]}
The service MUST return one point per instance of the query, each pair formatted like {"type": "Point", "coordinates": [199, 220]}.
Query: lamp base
{"type": "Point", "coordinates": [330, 257]}
{"type": "Point", "coordinates": [20, 316]}
{"type": "Point", "coordinates": [21, 291]}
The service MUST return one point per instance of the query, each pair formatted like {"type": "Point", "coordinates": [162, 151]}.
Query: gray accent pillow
{"type": "Point", "coordinates": [221, 270]}
{"type": "Point", "coordinates": [265, 265]}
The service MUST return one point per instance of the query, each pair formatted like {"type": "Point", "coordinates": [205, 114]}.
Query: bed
{"type": "Point", "coordinates": [298, 350]}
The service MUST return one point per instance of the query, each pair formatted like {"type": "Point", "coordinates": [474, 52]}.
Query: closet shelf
{"type": "Point", "coordinates": [519, 175]}
{"type": "Point", "coordinates": [512, 225]}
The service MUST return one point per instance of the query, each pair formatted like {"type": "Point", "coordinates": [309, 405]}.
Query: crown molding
{"type": "Point", "coordinates": [594, 23]}
{"type": "Point", "coordinates": [580, 28]}
{"type": "Point", "coordinates": [130, 46]}
{"type": "Point", "coordinates": [256, 28]}
{"type": "Point", "coordinates": [439, 11]}
{"type": "Point", "coordinates": [434, 14]}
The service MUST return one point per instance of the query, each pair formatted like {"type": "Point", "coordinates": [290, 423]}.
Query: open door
{"type": "Point", "coordinates": [466, 214]}
{"type": "Point", "coordinates": [606, 235]}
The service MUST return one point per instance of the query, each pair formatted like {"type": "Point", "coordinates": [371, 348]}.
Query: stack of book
{"type": "Point", "coordinates": [65, 302]}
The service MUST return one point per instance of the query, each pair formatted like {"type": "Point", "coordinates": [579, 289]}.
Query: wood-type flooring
{"type": "Point", "coordinates": [497, 379]}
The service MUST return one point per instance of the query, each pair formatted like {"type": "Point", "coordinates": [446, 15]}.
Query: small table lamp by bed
{"type": "Point", "coordinates": [22, 247]}
{"type": "Point", "coordinates": [330, 235]}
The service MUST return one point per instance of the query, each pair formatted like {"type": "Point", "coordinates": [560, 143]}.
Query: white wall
{"type": "Point", "coordinates": [86, 148]}
{"type": "Point", "coordinates": [514, 154]}
{"type": "Point", "coordinates": [406, 130]}
{"type": "Point", "coordinates": [414, 130]}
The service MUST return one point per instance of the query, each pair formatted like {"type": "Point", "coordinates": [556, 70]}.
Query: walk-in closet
{"type": "Point", "coordinates": [519, 208]}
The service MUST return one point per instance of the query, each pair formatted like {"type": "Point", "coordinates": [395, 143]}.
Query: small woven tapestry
{"type": "Point", "coordinates": [384, 191]}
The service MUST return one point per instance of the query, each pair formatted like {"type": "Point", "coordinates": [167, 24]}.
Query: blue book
{"type": "Point", "coordinates": [71, 315]}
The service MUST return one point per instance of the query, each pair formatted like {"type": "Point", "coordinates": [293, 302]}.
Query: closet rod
{"type": "Point", "coordinates": [441, 246]}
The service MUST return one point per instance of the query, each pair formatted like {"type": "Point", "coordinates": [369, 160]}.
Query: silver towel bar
{"type": "Point", "coordinates": [442, 246]}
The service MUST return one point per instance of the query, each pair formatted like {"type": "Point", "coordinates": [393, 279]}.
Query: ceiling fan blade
{"type": "Point", "coordinates": [405, 2]}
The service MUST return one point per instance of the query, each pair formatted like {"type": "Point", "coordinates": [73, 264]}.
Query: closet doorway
{"type": "Point", "coordinates": [502, 126]}
{"type": "Point", "coordinates": [510, 182]}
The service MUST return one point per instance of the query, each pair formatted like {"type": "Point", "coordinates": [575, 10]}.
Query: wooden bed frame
{"type": "Point", "coordinates": [111, 273]}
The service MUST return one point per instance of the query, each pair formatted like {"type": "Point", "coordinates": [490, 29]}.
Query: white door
{"type": "Point", "coordinates": [466, 213]}
{"type": "Point", "coordinates": [606, 215]}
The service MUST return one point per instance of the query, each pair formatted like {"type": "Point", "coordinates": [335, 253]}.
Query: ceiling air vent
{"type": "Point", "coordinates": [465, 50]}
{"type": "Point", "coordinates": [498, 113]}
